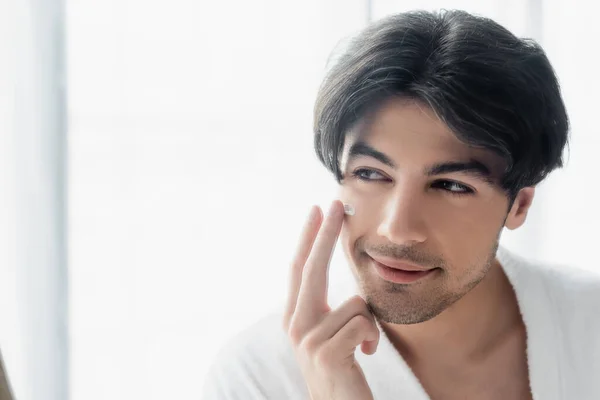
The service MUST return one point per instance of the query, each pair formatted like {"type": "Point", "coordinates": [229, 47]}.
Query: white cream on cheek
{"type": "Point", "coordinates": [348, 209]}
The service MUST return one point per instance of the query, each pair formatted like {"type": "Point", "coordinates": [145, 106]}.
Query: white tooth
{"type": "Point", "coordinates": [348, 209]}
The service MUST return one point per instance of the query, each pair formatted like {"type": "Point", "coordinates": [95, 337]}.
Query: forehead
{"type": "Point", "coordinates": [410, 133]}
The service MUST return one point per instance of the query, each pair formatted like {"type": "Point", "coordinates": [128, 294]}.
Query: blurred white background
{"type": "Point", "coordinates": [157, 166]}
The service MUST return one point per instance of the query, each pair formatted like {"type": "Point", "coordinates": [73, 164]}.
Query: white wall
{"type": "Point", "coordinates": [570, 35]}
{"type": "Point", "coordinates": [33, 270]}
{"type": "Point", "coordinates": [191, 171]}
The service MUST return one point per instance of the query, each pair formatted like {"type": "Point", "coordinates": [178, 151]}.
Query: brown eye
{"type": "Point", "coordinates": [368, 175]}
{"type": "Point", "coordinates": [453, 187]}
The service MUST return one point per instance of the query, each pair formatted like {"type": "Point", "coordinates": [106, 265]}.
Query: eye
{"type": "Point", "coordinates": [453, 187]}
{"type": "Point", "coordinates": [367, 175]}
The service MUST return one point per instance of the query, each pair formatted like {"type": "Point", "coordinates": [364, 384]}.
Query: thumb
{"type": "Point", "coordinates": [369, 347]}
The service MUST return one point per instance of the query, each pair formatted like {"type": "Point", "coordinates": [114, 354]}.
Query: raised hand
{"type": "Point", "coordinates": [325, 340]}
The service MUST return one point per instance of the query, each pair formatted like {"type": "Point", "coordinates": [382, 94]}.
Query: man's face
{"type": "Point", "coordinates": [420, 210]}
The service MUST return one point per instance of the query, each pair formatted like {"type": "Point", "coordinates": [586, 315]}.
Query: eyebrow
{"type": "Point", "coordinates": [360, 148]}
{"type": "Point", "coordinates": [472, 167]}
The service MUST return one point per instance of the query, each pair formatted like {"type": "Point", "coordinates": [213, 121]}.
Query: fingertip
{"type": "Point", "coordinates": [315, 213]}
{"type": "Point", "coordinates": [376, 340]}
{"type": "Point", "coordinates": [369, 347]}
{"type": "Point", "coordinates": [337, 209]}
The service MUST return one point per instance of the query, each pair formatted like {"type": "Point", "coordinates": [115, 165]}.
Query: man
{"type": "Point", "coordinates": [437, 127]}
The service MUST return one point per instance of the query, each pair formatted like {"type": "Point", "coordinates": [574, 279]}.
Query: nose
{"type": "Point", "coordinates": [403, 219]}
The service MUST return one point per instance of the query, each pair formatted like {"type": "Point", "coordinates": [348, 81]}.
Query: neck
{"type": "Point", "coordinates": [465, 332]}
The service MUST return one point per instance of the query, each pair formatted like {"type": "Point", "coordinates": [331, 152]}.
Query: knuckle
{"type": "Point", "coordinates": [295, 334]}
{"type": "Point", "coordinates": [357, 302]}
{"type": "Point", "coordinates": [324, 358]}
{"type": "Point", "coordinates": [309, 344]}
{"type": "Point", "coordinates": [358, 305]}
{"type": "Point", "coordinates": [359, 323]}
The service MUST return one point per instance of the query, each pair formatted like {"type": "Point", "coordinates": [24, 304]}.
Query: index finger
{"type": "Point", "coordinates": [312, 299]}
{"type": "Point", "coordinates": [309, 233]}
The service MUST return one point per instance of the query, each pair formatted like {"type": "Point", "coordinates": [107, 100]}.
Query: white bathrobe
{"type": "Point", "coordinates": [560, 308]}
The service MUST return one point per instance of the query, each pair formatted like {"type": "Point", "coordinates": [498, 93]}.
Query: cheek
{"type": "Point", "coordinates": [465, 232]}
{"type": "Point", "coordinates": [366, 200]}
{"type": "Point", "coordinates": [358, 225]}
{"type": "Point", "coordinates": [366, 212]}
{"type": "Point", "coordinates": [450, 219]}
{"type": "Point", "coordinates": [469, 216]}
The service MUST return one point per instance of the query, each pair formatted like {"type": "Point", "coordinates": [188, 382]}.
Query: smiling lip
{"type": "Point", "coordinates": [399, 272]}
{"type": "Point", "coordinates": [400, 276]}
{"type": "Point", "coordinates": [395, 264]}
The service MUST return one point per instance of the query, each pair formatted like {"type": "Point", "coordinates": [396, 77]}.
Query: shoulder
{"type": "Point", "coordinates": [562, 284]}
{"type": "Point", "coordinates": [569, 295]}
{"type": "Point", "coordinates": [575, 295]}
{"type": "Point", "coordinates": [572, 285]}
{"type": "Point", "coordinates": [258, 363]}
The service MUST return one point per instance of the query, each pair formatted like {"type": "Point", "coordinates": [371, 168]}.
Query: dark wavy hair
{"type": "Point", "coordinates": [493, 90]}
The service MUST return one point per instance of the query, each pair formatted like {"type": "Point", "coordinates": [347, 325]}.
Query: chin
{"type": "Point", "coordinates": [394, 313]}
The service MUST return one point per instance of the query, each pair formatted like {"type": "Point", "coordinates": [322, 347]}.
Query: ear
{"type": "Point", "coordinates": [518, 212]}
